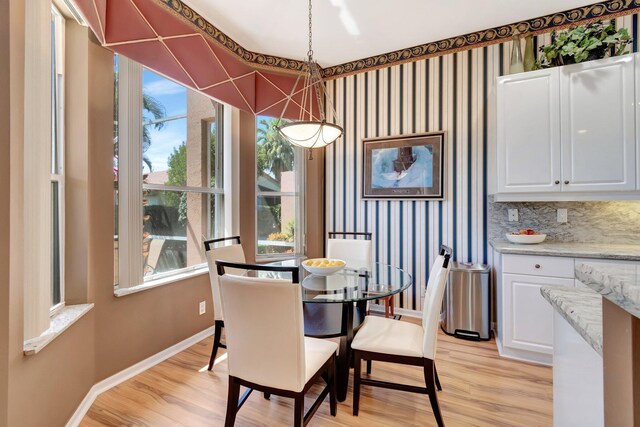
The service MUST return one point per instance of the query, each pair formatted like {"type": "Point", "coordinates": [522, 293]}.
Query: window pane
{"type": "Point", "coordinates": [56, 296]}
{"type": "Point", "coordinates": [215, 159]}
{"type": "Point", "coordinates": [175, 223]}
{"type": "Point", "coordinates": [276, 224]}
{"type": "Point", "coordinates": [275, 158]}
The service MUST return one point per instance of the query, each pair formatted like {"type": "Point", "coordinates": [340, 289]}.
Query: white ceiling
{"type": "Point", "coordinates": [346, 30]}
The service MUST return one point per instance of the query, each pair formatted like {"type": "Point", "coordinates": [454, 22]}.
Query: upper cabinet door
{"type": "Point", "coordinates": [528, 132]}
{"type": "Point", "coordinates": [598, 125]}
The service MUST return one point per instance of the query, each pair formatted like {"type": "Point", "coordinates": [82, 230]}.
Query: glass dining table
{"type": "Point", "coordinates": [335, 305]}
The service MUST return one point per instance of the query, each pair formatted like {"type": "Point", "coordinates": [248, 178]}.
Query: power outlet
{"type": "Point", "coordinates": [513, 215]}
{"type": "Point", "coordinates": [202, 309]}
{"type": "Point", "coordinates": [562, 215]}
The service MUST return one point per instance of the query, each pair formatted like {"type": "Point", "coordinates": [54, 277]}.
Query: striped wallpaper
{"type": "Point", "coordinates": [450, 93]}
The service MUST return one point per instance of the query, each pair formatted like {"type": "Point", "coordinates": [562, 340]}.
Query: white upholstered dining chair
{"type": "Point", "coordinates": [357, 253]}
{"type": "Point", "coordinates": [266, 346]}
{"type": "Point", "coordinates": [405, 343]}
{"type": "Point", "coordinates": [219, 249]}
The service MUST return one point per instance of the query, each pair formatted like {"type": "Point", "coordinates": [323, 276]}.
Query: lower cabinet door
{"type": "Point", "coordinates": [528, 317]}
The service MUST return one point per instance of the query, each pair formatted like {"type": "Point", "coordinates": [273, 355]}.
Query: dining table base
{"type": "Point", "coordinates": [336, 321]}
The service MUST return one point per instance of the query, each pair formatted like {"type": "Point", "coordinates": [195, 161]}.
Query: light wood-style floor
{"type": "Point", "coordinates": [479, 389]}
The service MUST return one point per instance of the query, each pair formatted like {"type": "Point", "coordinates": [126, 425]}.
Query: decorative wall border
{"type": "Point", "coordinates": [259, 60]}
{"type": "Point", "coordinates": [594, 12]}
{"type": "Point", "coordinates": [543, 24]}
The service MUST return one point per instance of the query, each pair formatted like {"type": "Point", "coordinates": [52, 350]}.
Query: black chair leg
{"type": "Point", "coordinates": [267, 395]}
{"type": "Point", "coordinates": [232, 402]}
{"type": "Point", "coordinates": [368, 367]}
{"type": "Point", "coordinates": [333, 394]}
{"type": "Point", "coordinates": [437, 378]}
{"type": "Point", "coordinates": [356, 382]}
{"type": "Point", "coordinates": [298, 416]}
{"type": "Point", "coordinates": [429, 378]}
{"type": "Point", "coordinates": [217, 335]}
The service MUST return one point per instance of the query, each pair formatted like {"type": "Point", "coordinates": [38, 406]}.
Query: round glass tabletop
{"type": "Point", "coordinates": [347, 285]}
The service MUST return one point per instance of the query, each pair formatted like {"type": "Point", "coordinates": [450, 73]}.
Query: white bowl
{"type": "Point", "coordinates": [526, 239]}
{"type": "Point", "coordinates": [323, 271]}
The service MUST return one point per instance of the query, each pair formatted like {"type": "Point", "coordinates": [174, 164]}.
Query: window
{"type": "Point", "coordinates": [280, 204]}
{"type": "Point", "coordinates": [57, 159]}
{"type": "Point", "coordinates": [168, 175]}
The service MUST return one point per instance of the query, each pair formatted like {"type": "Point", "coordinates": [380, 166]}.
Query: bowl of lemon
{"type": "Point", "coordinates": [323, 266]}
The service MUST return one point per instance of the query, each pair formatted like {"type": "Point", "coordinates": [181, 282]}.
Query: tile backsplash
{"type": "Point", "coordinates": [589, 222]}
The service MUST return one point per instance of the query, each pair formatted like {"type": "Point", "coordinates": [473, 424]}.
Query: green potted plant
{"type": "Point", "coordinates": [585, 43]}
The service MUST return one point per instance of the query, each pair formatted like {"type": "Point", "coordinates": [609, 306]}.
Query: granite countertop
{"type": "Point", "coordinates": [573, 249]}
{"type": "Point", "coordinates": [619, 283]}
{"type": "Point", "coordinates": [582, 308]}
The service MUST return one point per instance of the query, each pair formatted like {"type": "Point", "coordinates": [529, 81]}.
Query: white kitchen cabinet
{"type": "Point", "coordinates": [598, 125]}
{"type": "Point", "coordinates": [569, 133]}
{"type": "Point", "coordinates": [528, 319]}
{"type": "Point", "coordinates": [528, 132]}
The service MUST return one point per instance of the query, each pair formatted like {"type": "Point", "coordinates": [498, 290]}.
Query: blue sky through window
{"type": "Point", "coordinates": [173, 97]}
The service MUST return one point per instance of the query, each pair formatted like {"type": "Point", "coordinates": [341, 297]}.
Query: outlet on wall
{"type": "Point", "coordinates": [202, 309]}
{"type": "Point", "coordinates": [562, 215]}
{"type": "Point", "coordinates": [513, 215]}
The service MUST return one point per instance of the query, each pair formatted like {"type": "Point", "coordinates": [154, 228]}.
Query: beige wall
{"type": "Point", "coordinates": [247, 131]}
{"type": "Point", "coordinates": [315, 204]}
{"type": "Point", "coordinates": [9, 41]}
{"type": "Point", "coordinates": [45, 389]}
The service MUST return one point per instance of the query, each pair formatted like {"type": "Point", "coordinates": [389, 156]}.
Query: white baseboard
{"type": "Point", "coordinates": [379, 308]}
{"type": "Point", "coordinates": [132, 371]}
{"type": "Point", "coordinates": [523, 355]}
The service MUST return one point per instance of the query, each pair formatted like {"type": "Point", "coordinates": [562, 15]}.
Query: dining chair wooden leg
{"type": "Point", "coordinates": [429, 378]}
{"type": "Point", "coordinates": [232, 402]}
{"type": "Point", "coordinates": [437, 378]}
{"type": "Point", "coordinates": [298, 410]}
{"type": "Point", "coordinates": [333, 393]}
{"type": "Point", "coordinates": [217, 336]}
{"type": "Point", "coordinates": [392, 306]}
{"type": "Point", "coordinates": [369, 362]}
{"type": "Point", "coordinates": [356, 382]}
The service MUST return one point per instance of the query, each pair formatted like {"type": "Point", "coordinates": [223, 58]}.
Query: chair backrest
{"type": "Point", "coordinates": [356, 252]}
{"type": "Point", "coordinates": [232, 253]}
{"type": "Point", "coordinates": [433, 301]}
{"type": "Point", "coordinates": [264, 330]}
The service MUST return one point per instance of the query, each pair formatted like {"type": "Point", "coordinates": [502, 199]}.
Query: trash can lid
{"type": "Point", "coordinates": [469, 266]}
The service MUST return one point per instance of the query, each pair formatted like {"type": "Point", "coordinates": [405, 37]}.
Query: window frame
{"type": "Point", "coordinates": [58, 148]}
{"type": "Point", "coordinates": [131, 185]}
{"type": "Point", "coordinates": [299, 162]}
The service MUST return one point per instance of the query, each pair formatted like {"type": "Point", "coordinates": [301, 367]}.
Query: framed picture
{"type": "Point", "coordinates": [410, 167]}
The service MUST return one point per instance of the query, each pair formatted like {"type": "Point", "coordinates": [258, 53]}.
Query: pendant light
{"type": "Point", "coordinates": [309, 132]}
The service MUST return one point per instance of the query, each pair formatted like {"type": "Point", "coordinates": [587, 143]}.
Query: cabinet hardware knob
{"type": "Point", "coordinates": [566, 182]}
{"type": "Point", "coordinates": [557, 182]}
{"type": "Point", "coordinates": [537, 266]}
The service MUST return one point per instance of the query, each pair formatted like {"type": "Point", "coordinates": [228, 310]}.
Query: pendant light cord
{"type": "Point", "coordinates": [310, 52]}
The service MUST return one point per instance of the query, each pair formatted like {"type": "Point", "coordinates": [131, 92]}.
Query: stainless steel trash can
{"type": "Point", "coordinates": [466, 306]}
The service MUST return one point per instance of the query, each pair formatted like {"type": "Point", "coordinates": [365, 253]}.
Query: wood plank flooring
{"type": "Point", "coordinates": [479, 389]}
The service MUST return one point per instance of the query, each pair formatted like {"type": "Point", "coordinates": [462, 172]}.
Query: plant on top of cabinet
{"type": "Point", "coordinates": [585, 43]}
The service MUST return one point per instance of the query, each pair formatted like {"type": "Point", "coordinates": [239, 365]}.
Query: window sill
{"type": "Point", "coordinates": [60, 322]}
{"type": "Point", "coordinates": [263, 259]}
{"type": "Point", "coordinates": [120, 292]}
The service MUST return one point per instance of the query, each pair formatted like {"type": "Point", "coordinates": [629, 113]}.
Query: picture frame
{"type": "Point", "coordinates": [404, 167]}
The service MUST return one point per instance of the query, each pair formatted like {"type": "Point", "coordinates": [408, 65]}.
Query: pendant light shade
{"type": "Point", "coordinates": [311, 134]}
{"type": "Point", "coordinates": [307, 131]}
